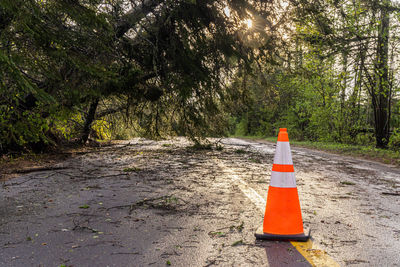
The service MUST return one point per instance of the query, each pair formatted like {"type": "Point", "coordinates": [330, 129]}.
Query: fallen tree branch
{"type": "Point", "coordinates": [139, 203]}
{"type": "Point", "coordinates": [38, 169]}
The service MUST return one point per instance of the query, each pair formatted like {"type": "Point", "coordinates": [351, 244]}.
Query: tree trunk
{"type": "Point", "coordinates": [89, 120]}
{"type": "Point", "coordinates": [381, 93]}
{"type": "Point", "coordinates": [343, 120]}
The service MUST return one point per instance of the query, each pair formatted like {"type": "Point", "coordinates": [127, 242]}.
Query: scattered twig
{"type": "Point", "coordinates": [11, 244]}
{"type": "Point", "coordinates": [97, 243]}
{"type": "Point", "coordinates": [27, 180]}
{"type": "Point", "coordinates": [12, 184]}
{"type": "Point", "coordinates": [38, 169]}
{"type": "Point", "coordinates": [391, 193]}
{"type": "Point", "coordinates": [123, 253]}
{"type": "Point", "coordinates": [146, 201]}
{"type": "Point", "coordinates": [80, 227]}
{"type": "Point", "coordinates": [213, 262]}
{"type": "Point", "coordinates": [237, 243]}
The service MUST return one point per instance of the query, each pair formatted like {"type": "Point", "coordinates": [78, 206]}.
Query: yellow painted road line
{"type": "Point", "coordinates": [316, 257]}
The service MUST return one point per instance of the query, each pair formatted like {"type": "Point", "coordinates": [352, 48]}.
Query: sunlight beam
{"type": "Point", "coordinates": [249, 23]}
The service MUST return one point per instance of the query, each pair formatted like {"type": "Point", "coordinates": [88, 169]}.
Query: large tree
{"type": "Point", "coordinates": [166, 62]}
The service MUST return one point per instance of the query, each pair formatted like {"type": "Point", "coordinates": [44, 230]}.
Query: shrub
{"type": "Point", "coordinates": [394, 141]}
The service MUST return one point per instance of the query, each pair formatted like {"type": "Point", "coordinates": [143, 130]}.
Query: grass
{"type": "Point", "coordinates": [386, 156]}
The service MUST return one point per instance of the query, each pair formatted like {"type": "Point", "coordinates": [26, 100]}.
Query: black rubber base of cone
{"type": "Point", "coordinates": [271, 237]}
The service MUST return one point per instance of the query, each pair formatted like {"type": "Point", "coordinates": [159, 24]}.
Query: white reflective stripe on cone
{"type": "Point", "coordinates": [283, 179]}
{"type": "Point", "coordinates": [283, 154]}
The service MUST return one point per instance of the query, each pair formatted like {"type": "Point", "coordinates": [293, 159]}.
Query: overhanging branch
{"type": "Point", "coordinates": [131, 18]}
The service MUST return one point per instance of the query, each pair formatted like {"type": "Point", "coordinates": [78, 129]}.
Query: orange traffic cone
{"type": "Point", "coordinates": [282, 220]}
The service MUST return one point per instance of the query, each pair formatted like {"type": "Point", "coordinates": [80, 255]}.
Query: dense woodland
{"type": "Point", "coordinates": [74, 70]}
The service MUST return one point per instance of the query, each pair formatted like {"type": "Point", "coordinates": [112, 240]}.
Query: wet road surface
{"type": "Point", "coordinates": [351, 205]}
{"type": "Point", "coordinates": [146, 203]}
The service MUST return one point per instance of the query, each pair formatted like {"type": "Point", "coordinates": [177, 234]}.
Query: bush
{"type": "Point", "coordinates": [394, 141]}
{"type": "Point", "coordinates": [365, 139]}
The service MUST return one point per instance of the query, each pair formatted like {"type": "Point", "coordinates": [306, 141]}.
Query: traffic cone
{"type": "Point", "coordinates": [282, 220]}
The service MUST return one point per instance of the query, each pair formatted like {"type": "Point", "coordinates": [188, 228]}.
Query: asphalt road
{"type": "Point", "coordinates": [351, 205]}
{"type": "Point", "coordinates": [146, 203]}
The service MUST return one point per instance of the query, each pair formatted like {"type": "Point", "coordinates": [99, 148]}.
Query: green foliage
{"type": "Point", "coordinates": [366, 139]}
{"type": "Point", "coordinates": [159, 76]}
{"type": "Point", "coordinates": [189, 69]}
{"type": "Point", "coordinates": [67, 124]}
{"type": "Point", "coordinates": [309, 90]}
{"type": "Point", "coordinates": [242, 127]}
{"type": "Point", "coordinates": [305, 102]}
{"type": "Point", "coordinates": [394, 142]}
{"type": "Point", "coordinates": [19, 126]}
{"type": "Point", "coordinates": [102, 128]}
{"type": "Point", "coordinates": [46, 68]}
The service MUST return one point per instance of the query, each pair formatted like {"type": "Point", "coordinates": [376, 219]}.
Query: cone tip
{"type": "Point", "coordinates": [283, 135]}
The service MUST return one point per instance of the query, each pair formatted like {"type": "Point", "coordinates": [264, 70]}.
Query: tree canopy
{"type": "Point", "coordinates": [336, 80]}
{"type": "Point", "coordinates": [75, 68]}
{"type": "Point", "coordinates": [162, 62]}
